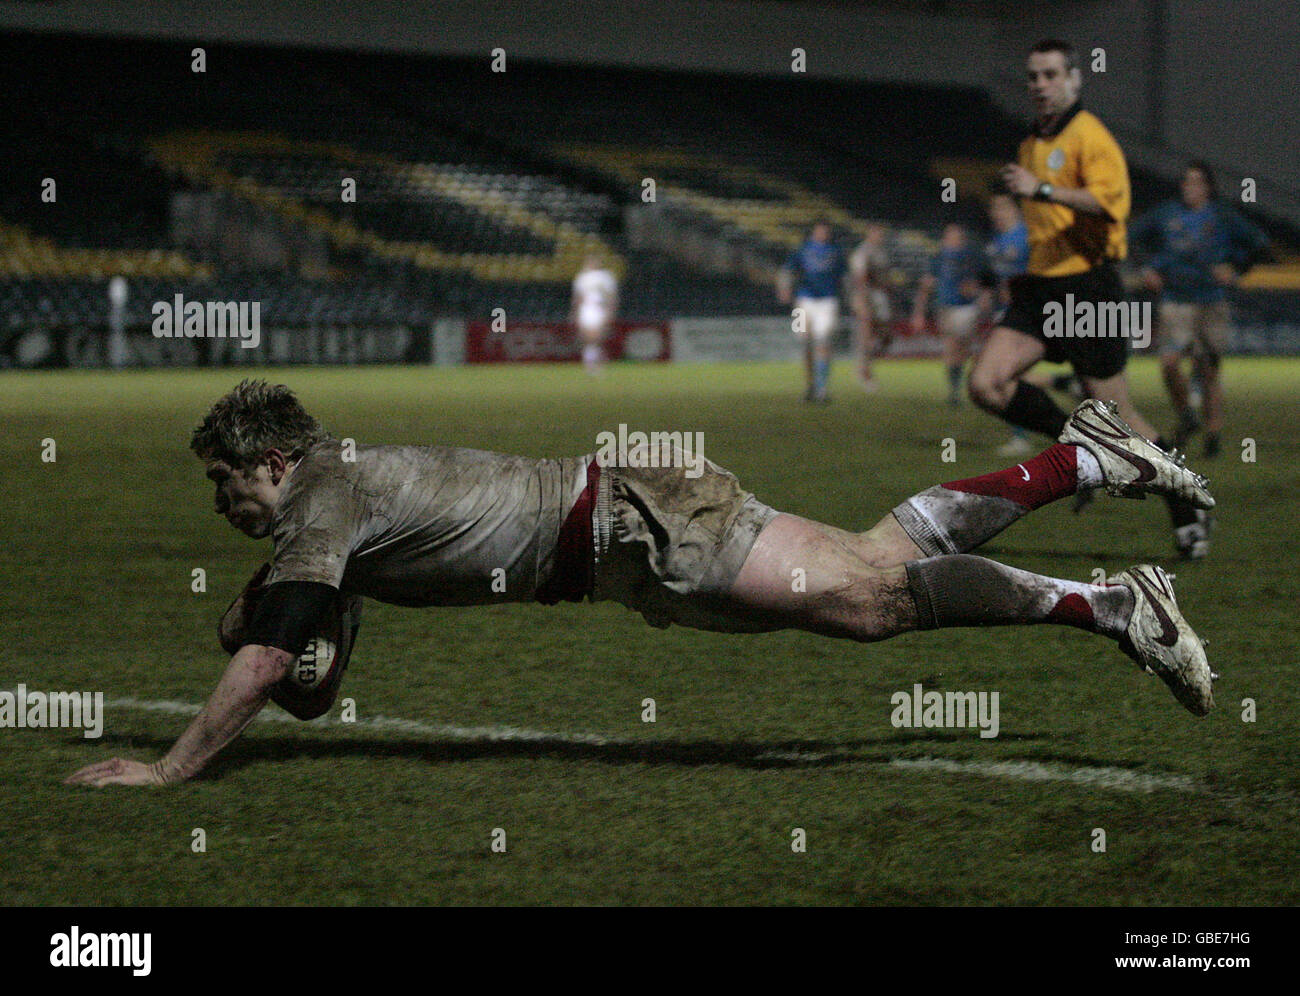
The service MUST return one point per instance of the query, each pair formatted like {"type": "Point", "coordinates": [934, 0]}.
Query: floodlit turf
{"type": "Point", "coordinates": [755, 735]}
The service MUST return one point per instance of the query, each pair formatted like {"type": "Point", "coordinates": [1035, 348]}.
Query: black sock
{"type": "Point", "coordinates": [1032, 408]}
{"type": "Point", "coordinates": [1063, 382]}
{"type": "Point", "coordinates": [1181, 513]}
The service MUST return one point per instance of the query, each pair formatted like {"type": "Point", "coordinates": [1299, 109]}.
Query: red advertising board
{"type": "Point", "coordinates": [557, 342]}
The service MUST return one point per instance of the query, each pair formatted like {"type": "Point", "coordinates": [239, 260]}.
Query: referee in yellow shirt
{"type": "Point", "coordinates": [1074, 186]}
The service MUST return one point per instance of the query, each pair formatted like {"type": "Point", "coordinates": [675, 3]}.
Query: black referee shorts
{"type": "Point", "coordinates": [1100, 357]}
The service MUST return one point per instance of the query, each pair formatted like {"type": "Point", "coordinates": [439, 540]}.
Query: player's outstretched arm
{"type": "Point", "coordinates": [243, 690]}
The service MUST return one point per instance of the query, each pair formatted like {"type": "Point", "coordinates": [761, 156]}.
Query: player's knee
{"type": "Point", "coordinates": [867, 613]}
{"type": "Point", "coordinates": [986, 391]}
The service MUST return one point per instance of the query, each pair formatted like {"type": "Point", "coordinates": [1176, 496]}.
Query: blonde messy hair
{"type": "Point", "coordinates": [252, 418]}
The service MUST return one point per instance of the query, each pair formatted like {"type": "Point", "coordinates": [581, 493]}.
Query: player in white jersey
{"type": "Point", "coordinates": [677, 540]}
{"type": "Point", "coordinates": [594, 305]}
{"type": "Point", "coordinates": [868, 270]}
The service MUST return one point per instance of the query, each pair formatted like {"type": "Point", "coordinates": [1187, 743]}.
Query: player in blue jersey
{"type": "Point", "coordinates": [954, 278]}
{"type": "Point", "coordinates": [1007, 254]}
{"type": "Point", "coordinates": [1198, 247]}
{"type": "Point", "coordinates": [1008, 250]}
{"type": "Point", "coordinates": [816, 270]}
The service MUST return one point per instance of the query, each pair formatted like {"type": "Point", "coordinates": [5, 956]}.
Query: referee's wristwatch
{"type": "Point", "coordinates": [1044, 191]}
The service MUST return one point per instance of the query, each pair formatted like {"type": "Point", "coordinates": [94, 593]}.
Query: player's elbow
{"type": "Point", "coordinates": [1094, 203]}
{"type": "Point", "coordinates": [265, 666]}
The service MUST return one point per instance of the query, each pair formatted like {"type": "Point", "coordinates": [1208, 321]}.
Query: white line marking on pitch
{"type": "Point", "coordinates": [1120, 779]}
{"type": "Point", "coordinates": [1117, 779]}
{"type": "Point", "coordinates": [386, 723]}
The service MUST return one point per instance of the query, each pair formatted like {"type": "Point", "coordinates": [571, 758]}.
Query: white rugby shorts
{"type": "Point", "coordinates": [820, 317]}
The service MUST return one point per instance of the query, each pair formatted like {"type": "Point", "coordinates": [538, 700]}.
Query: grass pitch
{"type": "Point", "coordinates": [755, 735]}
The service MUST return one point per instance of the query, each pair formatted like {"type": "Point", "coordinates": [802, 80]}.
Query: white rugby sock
{"type": "Point", "coordinates": [1090, 475]}
{"type": "Point", "coordinates": [964, 590]}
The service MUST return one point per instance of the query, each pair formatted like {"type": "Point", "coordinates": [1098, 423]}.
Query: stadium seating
{"type": "Point", "coordinates": [474, 190]}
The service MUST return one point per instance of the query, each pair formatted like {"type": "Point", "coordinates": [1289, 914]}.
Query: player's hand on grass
{"type": "Point", "coordinates": [116, 771]}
